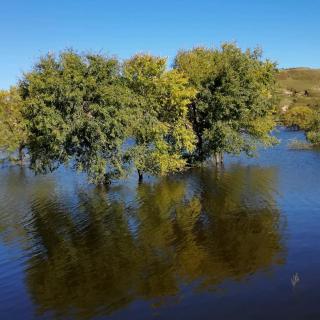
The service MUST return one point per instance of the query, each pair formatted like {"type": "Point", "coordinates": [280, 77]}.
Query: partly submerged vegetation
{"type": "Point", "coordinates": [306, 119]}
{"type": "Point", "coordinates": [13, 130]}
{"type": "Point", "coordinates": [105, 117]}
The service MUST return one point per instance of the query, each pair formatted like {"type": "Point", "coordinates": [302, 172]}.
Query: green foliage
{"type": "Point", "coordinates": [198, 63]}
{"type": "Point", "coordinates": [13, 132]}
{"type": "Point", "coordinates": [92, 113]}
{"type": "Point", "coordinates": [306, 119]}
{"type": "Point", "coordinates": [314, 136]}
{"type": "Point", "coordinates": [300, 117]}
{"type": "Point", "coordinates": [75, 108]}
{"type": "Point", "coordinates": [233, 109]}
{"type": "Point", "coordinates": [160, 127]}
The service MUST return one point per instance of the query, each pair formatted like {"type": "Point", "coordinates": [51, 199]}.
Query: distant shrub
{"type": "Point", "coordinates": [314, 137]}
{"type": "Point", "coordinates": [300, 117]}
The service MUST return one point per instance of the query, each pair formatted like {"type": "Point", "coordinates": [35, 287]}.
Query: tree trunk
{"type": "Point", "coordinates": [21, 154]}
{"type": "Point", "coordinates": [140, 175]}
{"type": "Point", "coordinates": [218, 156]}
{"type": "Point", "coordinates": [198, 132]}
{"type": "Point", "coordinates": [200, 147]}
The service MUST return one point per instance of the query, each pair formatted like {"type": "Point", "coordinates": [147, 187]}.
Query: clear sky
{"type": "Point", "coordinates": [287, 30]}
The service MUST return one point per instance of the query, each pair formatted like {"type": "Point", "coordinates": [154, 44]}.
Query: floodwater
{"type": "Point", "coordinates": [242, 242]}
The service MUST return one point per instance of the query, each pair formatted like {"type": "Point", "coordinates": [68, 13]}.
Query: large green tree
{"type": "Point", "coordinates": [160, 128]}
{"type": "Point", "coordinates": [75, 105]}
{"type": "Point", "coordinates": [232, 111]}
{"type": "Point", "coordinates": [13, 131]}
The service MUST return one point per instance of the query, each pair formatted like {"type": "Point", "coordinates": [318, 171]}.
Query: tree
{"type": "Point", "coordinates": [13, 131]}
{"type": "Point", "coordinates": [233, 109]}
{"type": "Point", "coordinates": [160, 129]}
{"type": "Point", "coordinates": [306, 119]}
{"type": "Point", "coordinates": [313, 136]}
{"type": "Point", "coordinates": [75, 106]}
{"type": "Point", "coordinates": [300, 118]}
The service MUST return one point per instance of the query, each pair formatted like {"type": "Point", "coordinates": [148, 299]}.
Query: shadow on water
{"type": "Point", "coordinates": [90, 253]}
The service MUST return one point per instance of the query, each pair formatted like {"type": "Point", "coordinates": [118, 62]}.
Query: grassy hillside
{"type": "Point", "coordinates": [299, 87]}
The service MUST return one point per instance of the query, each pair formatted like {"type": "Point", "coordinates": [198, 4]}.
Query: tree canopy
{"type": "Point", "coordinates": [161, 129]}
{"type": "Point", "coordinates": [103, 117]}
{"type": "Point", "coordinates": [232, 111]}
{"type": "Point", "coordinates": [13, 131]}
{"type": "Point", "coordinates": [300, 117]}
{"type": "Point", "coordinates": [306, 119]}
{"type": "Point", "coordinates": [75, 111]}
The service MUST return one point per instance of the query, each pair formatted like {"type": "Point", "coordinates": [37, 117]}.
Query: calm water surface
{"type": "Point", "coordinates": [239, 243]}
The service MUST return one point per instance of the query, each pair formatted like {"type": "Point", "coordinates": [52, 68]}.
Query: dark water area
{"type": "Point", "coordinates": [242, 242]}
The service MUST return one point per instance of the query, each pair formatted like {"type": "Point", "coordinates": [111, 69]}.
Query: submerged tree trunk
{"type": "Point", "coordinates": [200, 147]}
{"type": "Point", "coordinates": [140, 175]}
{"type": "Point", "coordinates": [21, 154]}
{"type": "Point", "coordinates": [218, 157]}
{"type": "Point", "coordinates": [198, 131]}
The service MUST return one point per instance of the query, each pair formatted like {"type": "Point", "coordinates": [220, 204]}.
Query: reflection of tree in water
{"type": "Point", "coordinates": [17, 188]}
{"type": "Point", "coordinates": [104, 254]}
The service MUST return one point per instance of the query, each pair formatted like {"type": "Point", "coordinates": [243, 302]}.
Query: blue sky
{"type": "Point", "coordinates": [288, 31]}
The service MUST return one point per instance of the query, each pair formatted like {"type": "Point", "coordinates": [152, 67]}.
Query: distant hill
{"type": "Point", "coordinates": [299, 87]}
